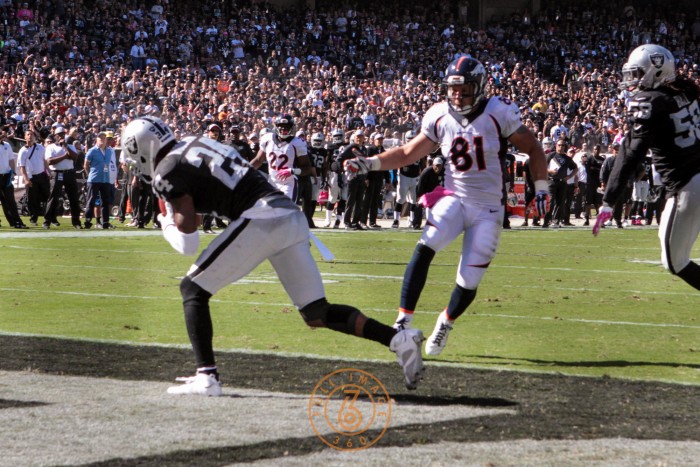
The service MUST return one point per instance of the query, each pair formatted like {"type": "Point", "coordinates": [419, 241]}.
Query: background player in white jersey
{"type": "Point", "coordinates": [198, 175]}
{"type": "Point", "coordinates": [665, 118]}
{"type": "Point", "coordinates": [286, 156]}
{"type": "Point", "coordinates": [471, 131]}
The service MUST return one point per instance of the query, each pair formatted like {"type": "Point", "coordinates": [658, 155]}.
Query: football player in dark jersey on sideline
{"type": "Point", "coordinates": [665, 118]}
{"type": "Point", "coordinates": [318, 155]}
{"type": "Point", "coordinates": [198, 175]}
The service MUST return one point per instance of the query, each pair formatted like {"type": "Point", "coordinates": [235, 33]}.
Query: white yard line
{"type": "Point", "coordinates": [377, 310]}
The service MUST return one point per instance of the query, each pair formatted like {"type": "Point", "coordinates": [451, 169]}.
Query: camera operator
{"type": "Point", "coordinates": [61, 156]}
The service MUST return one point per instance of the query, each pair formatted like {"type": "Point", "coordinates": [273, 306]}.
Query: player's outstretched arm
{"type": "Point", "coordinates": [394, 158]}
{"type": "Point", "coordinates": [525, 141]}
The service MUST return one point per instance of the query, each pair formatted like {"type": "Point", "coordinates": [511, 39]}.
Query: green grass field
{"type": "Point", "coordinates": [552, 301]}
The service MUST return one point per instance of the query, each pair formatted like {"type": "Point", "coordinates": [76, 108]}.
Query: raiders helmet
{"type": "Point", "coordinates": [648, 67]}
{"type": "Point", "coordinates": [142, 139]}
{"type": "Point", "coordinates": [317, 140]}
{"type": "Point", "coordinates": [337, 136]}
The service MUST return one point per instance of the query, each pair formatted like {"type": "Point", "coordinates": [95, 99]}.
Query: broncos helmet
{"type": "Point", "coordinates": [466, 80]}
{"type": "Point", "coordinates": [337, 136]}
{"type": "Point", "coordinates": [142, 140]}
{"type": "Point", "coordinates": [648, 67]}
{"type": "Point", "coordinates": [317, 140]}
{"type": "Point", "coordinates": [284, 125]}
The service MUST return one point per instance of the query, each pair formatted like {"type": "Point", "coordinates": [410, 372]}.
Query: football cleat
{"type": "Point", "coordinates": [201, 384]}
{"type": "Point", "coordinates": [406, 345]}
{"type": "Point", "coordinates": [402, 323]}
{"type": "Point", "coordinates": [438, 339]}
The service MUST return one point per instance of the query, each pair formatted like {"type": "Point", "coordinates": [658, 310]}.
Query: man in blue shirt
{"type": "Point", "coordinates": [98, 187]}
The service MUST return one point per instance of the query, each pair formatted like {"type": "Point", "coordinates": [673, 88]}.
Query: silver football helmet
{"type": "Point", "coordinates": [547, 144]}
{"type": "Point", "coordinates": [317, 140]}
{"type": "Point", "coordinates": [142, 139]}
{"type": "Point", "coordinates": [648, 67]}
{"type": "Point", "coordinates": [409, 135]}
{"type": "Point", "coordinates": [337, 136]}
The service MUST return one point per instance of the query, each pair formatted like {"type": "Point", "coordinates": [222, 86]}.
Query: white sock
{"type": "Point", "coordinates": [444, 319]}
{"type": "Point", "coordinates": [407, 316]}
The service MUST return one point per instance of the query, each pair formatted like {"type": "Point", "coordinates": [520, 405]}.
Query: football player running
{"type": "Point", "coordinates": [471, 130]}
{"type": "Point", "coordinates": [286, 156]}
{"type": "Point", "coordinates": [198, 175]}
{"type": "Point", "coordinates": [664, 113]}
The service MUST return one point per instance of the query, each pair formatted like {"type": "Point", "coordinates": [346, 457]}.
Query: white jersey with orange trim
{"type": "Point", "coordinates": [474, 147]}
{"type": "Point", "coordinates": [281, 155]}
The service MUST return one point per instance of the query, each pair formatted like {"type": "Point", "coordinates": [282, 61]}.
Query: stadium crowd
{"type": "Point", "coordinates": [92, 67]}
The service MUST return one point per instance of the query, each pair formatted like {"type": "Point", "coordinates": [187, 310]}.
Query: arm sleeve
{"type": "Point", "coordinates": [625, 167]}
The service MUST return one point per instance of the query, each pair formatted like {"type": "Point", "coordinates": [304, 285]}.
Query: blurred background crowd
{"type": "Point", "coordinates": [92, 66]}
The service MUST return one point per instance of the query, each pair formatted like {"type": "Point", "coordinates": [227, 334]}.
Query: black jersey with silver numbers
{"type": "Point", "coordinates": [218, 179]}
{"type": "Point", "coordinates": [411, 170]}
{"type": "Point", "coordinates": [667, 122]}
{"type": "Point", "coordinates": [318, 158]}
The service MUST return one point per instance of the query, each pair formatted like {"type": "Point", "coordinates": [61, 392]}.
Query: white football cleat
{"type": "Point", "coordinates": [438, 339]}
{"type": "Point", "coordinates": [201, 384]}
{"type": "Point", "coordinates": [406, 344]}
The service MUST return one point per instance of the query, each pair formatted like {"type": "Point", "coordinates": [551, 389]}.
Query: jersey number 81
{"type": "Point", "coordinates": [460, 157]}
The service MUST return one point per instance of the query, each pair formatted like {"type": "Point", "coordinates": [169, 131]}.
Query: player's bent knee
{"type": "Point", "coordinates": [192, 292]}
{"type": "Point", "coordinates": [321, 314]}
{"type": "Point", "coordinates": [315, 314]}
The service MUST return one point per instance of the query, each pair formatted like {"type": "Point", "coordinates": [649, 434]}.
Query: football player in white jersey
{"type": "Point", "coordinates": [286, 155]}
{"type": "Point", "coordinates": [472, 132]}
{"type": "Point", "coordinates": [198, 175]}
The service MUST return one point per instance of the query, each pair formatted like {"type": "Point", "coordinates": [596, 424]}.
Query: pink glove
{"type": "Point", "coordinates": [429, 199]}
{"type": "Point", "coordinates": [284, 174]}
{"type": "Point", "coordinates": [605, 214]}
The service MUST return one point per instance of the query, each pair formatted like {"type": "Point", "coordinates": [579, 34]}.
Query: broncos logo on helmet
{"type": "Point", "coordinates": [466, 80]}
{"type": "Point", "coordinates": [284, 125]}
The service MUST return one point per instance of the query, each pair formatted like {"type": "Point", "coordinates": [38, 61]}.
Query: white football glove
{"type": "Point", "coordinates": [357, 165]}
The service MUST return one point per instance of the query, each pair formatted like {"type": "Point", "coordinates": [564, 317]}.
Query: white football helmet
{"type": "Point", "coordinates": [648, 67]}
{"type": "Point", "coordinates": [410, 134]}
{"type": "Point", "coordinates": [337, 136]}
{"type": "Point", "coordinates": [317, 140]}
{"type": "Point", "coordinates": [547, 144]}
{"type": "Point", "coordinates": [142, 140]}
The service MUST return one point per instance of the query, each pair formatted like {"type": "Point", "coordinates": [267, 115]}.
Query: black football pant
{"type": "Point", "coordinates": [37, 194]}
{"type": "Point", "coordinates": [370, 205]}
{"type": "Point", "coordinates": [307, 203]}
{"type": "Point", "coordinates": [7, 199]}
{"type": "Point", "coordinates": [61, 180]}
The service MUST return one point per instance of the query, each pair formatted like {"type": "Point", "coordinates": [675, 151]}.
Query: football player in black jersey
{"type": "Point", "coordinates": [318, 155]}
{"type": "Point", "coordinates": [198, 175]}
{"type": "Point", "coordinates": [664, 113]}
